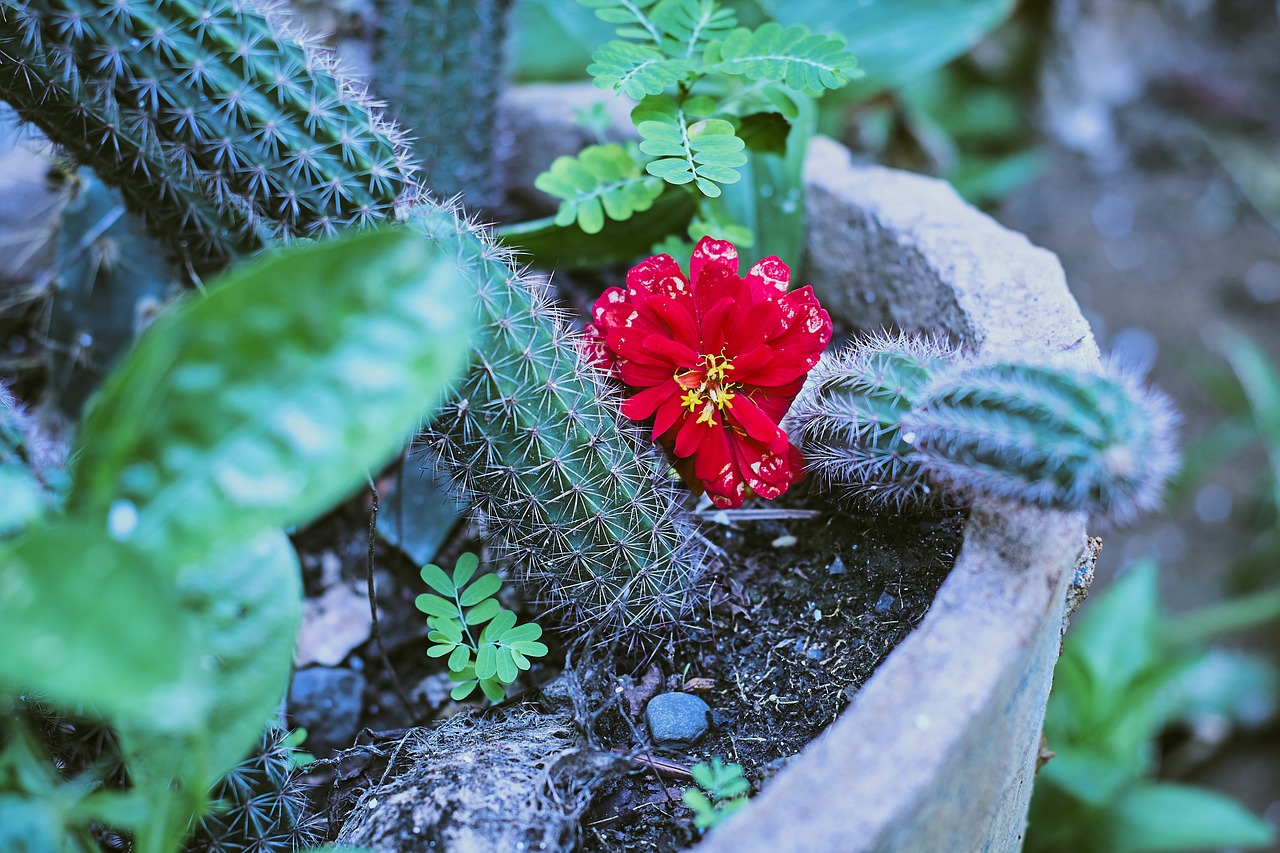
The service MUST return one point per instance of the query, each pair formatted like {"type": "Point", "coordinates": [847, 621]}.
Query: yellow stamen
{"type": "Point", "coordinates": [692, 400]}
{"type": "Point", "coordinates": [708, 415]}
{"type": "Point", "coordinates": [717, 366]}
{"type": "Point", "coordinates": [722, 397]}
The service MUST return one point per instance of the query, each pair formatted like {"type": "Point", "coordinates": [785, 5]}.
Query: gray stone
{"type": "Point", "coordinates": [677, 719]}
{"type": "Point", "coordinates": [326, 702]}
{"type": "Point", "coordinates": [885, 603]}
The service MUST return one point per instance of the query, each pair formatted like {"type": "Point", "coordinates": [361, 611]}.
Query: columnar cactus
{"type": "Point", "coordinates": [26, 452]}
{"type": "Point", "coordinates": [896, 420]}
{"type": "Point", "coordinates": [439, 64]}
{"type": "Point", "coordinates": [226, 131]}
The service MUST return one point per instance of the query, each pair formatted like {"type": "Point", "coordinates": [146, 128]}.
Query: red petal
{"type": "Point", "coordinates": [692, 436]}
{"type": "Point", "coordinates": [769, 474]}
{"type": "Point", "coordinates": [678, 317]}
{"type": "Point", "coordinates": [659, 274]}
{"type": "Point", "coordinates": [645, 403]}
{"type": "Point", "coordinates": [757, 424]}
{"type": "Point", "coordinates": [711, 252]}
{"type": "Point", "coordinates": [643, 375]}
{"type": "Point", "coordinates": [717, 470]}
{"type": "Point", "coordinates": [612, 296]}
{"type": "Point", "coordinates": [675, 352]}
{"type": "Point", "coordinates": [769, 278]}
{"type": "Point", "coordinates": [667, 416]}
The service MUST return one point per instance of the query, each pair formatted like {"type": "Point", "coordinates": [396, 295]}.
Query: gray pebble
{"type": "Point", "coordinates": [326, 701]}
{"type": "Point", "coordinates": [677, 719]}
{"type": "Point", "coordinates": [885, 603]}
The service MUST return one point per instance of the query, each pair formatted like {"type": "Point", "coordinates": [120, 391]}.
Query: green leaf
{"type": "Point", "coordinates": [482, 588]}
{"type": "Point", "coordinates": [1261, 383]}
{"type": "Point", "coordinates": [603, 180]}
{"type": "Point", "coordinates": [264, 402]}
{"type": "Point", "coordinates": [465, 569]}
{"type": "Point", "coordinates": [794, 56]}
{"type": "Point", "coordinates": [521, 661]}
{"type": "Point", "coordinates": [73, 629]}
{"type": "Point", "coordinates": [493, 689]}
{"type": "Point", "coordinates": [765, 132]}
{"type": "Point", "coordinates": [507, 669]}
{"type": "Point", "coordinates": [448, 628]}
{"type": "Point", "coordinates": [483, 612]}
{"type": "Point", "coordinates": [459, 659]}
{"type": "Point", "coordinates": [691, 24]}
{"type": "Point", "coordinates": [1166, 817]}
{"type": "Point", "coordinates": [434, 605]}
{"type": "Point", "coordinates": [486, 661]}
{"type": "Point", "coordinates": [499, 626]}
{"type": "Point", "coordinates": [630, 14]}
{"type": "Point", "coordinates": [435, 578]}
{"type": "Point", "coordinates": [441, 649]}
{"type": "Point", "coordinates": [463, 690]}
{"type": "Point", "coordinates": [23, 500]}
{"type": "Point", "coordinates": [553, 246]}
{"type": "Point", "coordinates": [704, 152]}
{"type": "Point", "coordinates": [636, 70]}
{"type": "Point", "coordinates": [521, 634]}
{"type": "Point", "coordinates": [1087, 776]}
{"type": "Point", "coordinates": [897, 40]}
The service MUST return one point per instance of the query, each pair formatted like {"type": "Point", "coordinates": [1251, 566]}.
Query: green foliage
{"type": "Point", "coordinates": [723, 792]}
{"type": "Point", "coordinates": [712, 100]}
{"type": "Point", "coordinates": [891, 419]}
{"type": "Point", "coordinates": [197, 473]}
{"type": "Point", "coordinates": [793, 56]}
{"type": "Point", "coordinates": [1118, 683]}
{"type": "Point", "coordinates": [32, 475]}
{"type": "Point", "coordinates": [189, 680]}
{"type": "Point", "coordinates": [501, 651]}
{"type": "Point", "coordinates": [602, 180]}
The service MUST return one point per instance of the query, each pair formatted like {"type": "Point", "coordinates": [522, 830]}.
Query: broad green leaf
{"type": "Point", "coordinates": [459, 659]}
{"type": "Point", "coordinates": [795, 56]}
{"type": "Point", "coordinates": [521, 634]}
{"type": "Point", "coordinates": [434, 605]}
{"type": "Point", "coordinates": [548, 245]}
{"type": "Point", "coordinates": [1116, 638]}
{"type": "Point", "coordinates": [765, 132]}
{"type": "Point", "coordinates": [435, 578]}
{"type": "Point", "coordinates": [574, 30]}
{"type": "Point", "coordinates": [74, 628]}
{"type": "Point", "coordinates": [492, 689]}
{"type": "Point", "coordinates": [500, 625]}
{"type": "Point", "coordinates": [1090, 778]}
{"type": "Point", "coordinates": [441, 649]}
{"type": "Point", "coordinates": [521, 661]}
{"type": "Point", "coordinates": [602, 180]}
{"type": "Point", "coordinates": [465, 569]}
{"type": "Point", "coordinates": [1166, 817]}
{"type": "Point", "coordinates": [507, 669]}
{"type": "Point", "coordinates": [448, 629]}
{"type": "Point", "coordinates": [463, 690]}
{"type": "Point", "coordinates": [484, 611]}
{"type": "Point", "coordinates": [486, 661]}
{"type": "Point", "coordinates": [264, 402]}
{"type": "Point", "coordinates": [896, 41]}
{"type": "Point", "coordinates": [636, 70]}
{"type": "Point", "coordinates": [480, 589]}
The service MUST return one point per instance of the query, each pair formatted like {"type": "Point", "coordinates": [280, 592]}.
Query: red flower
{"type": "Point", "coordinates": [717, 360]}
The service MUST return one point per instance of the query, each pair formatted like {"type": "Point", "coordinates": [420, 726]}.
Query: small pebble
{"type": "Point", "coordinates": [785, 541]}
{"type": "Point", "coordinates": [836, 567]}
{"type": "Point", "coordinates": [815, 653]}
{"type": "Point", "coordinates": [885, 603]}
{"type": "Point", "coordinates": [677, 719]}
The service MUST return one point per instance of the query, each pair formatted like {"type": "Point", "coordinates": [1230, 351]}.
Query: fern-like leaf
{"type": "Point", "coordinates": [603, 180]}
{"type": "Point", "coordinates": [629, 15]}
{"type": "Point", "coordinates": [691, 24]}
{"type": "Point", "coordinates": [689, 148]}
{"type": "Point", "coordinates": [636, 70]}
{"type": "Point", "coordinates": [802, 60]}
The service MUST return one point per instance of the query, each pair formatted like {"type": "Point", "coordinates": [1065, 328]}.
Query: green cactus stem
{"type": "Point", "coordinates": [900, 419]}
{"type": "Point", "coordinates": [847, 420]}
{"type": "Point", "coordinates": [225, 129]}
{"type": "Point", "coordinates": [440, 66]}
{"type": "Point", "coordinates": [1051, 438]}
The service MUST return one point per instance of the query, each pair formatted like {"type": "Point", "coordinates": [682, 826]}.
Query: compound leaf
{"type": "Point", "coordinates": [702, 151]}
{"type": "Point", "coordinates": [690, 24]}
{"type": "Point", "coordinates": [603, 180]}
{"type": "Point", "coordinates": [486, 586]}
{"type": "Point", "coordinates": [629, 14]}
{"type": "Point", "coordinates": [794, 56]}
{"type": "Point", "coordinates": [435, 578]}
{"type": "Point", "coordinates": [636, 70]}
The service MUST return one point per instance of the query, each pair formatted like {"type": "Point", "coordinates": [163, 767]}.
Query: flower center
{"type": "Point", "coordinates": [707, 390]}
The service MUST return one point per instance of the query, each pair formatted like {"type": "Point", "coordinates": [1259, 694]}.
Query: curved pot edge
{"type": "Point", "coordinates": [944, 762]}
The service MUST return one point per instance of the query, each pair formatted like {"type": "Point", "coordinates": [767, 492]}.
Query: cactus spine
{"type": "Point", "coordinates": [892, 419]}
{"type": "Point", "coordinates": [439, 64]}
{"type": "Point", "coordinates": [281, 145]}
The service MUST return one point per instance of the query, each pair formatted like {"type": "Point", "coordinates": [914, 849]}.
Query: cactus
{"type": "Point", "coordinates": [847, 419]}
{"type": "Point", "coordinates": [33, 474]}
{"type": "Point", "coordinates": [259, 805]}
{"type": "Point", "coordinates": [576, 496]}
{"type": "Point", "coordinates": [439, 64]}
{"type": "Point", "coordinates": [220, 125]}
{"type": "Point", "coordinates": [898, 419]}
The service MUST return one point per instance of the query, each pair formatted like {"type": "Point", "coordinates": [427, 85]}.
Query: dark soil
{"type": "Point", "coordinates": [802, 611]}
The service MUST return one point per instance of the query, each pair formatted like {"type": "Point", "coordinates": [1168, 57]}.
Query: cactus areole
{"type": "Point", "coordinates": [715, 359]}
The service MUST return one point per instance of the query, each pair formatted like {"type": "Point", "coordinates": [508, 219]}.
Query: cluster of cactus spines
{"type": "Point", "coordinates": [26, 446]}
{"type": "Point", "coordinates": [577, 498]}
{"type": "Point", "coordinates": [223, 128]}
{"type": "Point", "coordinates": [901, 420]}
{"type": "Point", "coordinates": [1047, 437]}
{"type": "Point", "coordinates": [440, 66]}
{"type": "Point", "coordinates": [569, 487]}
{"type": "Point", "coordinates": [259, 806]}
{"type": "Point", "coordinates": [847, 420]}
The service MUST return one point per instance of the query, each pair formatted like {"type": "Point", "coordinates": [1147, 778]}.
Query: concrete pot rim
{"type": "Point", "coordinates": [883, 764]}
